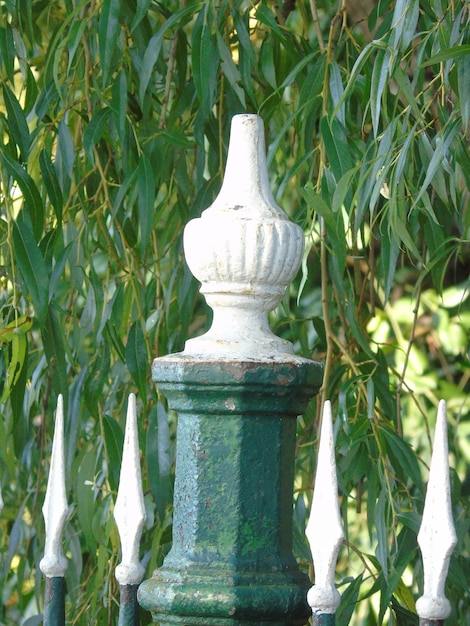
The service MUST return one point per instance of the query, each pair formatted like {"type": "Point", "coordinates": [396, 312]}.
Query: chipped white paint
{"type": "Point", "coordinates": [129, 510]}
{"type": "Point", "coordinates": [55, 506]}
{"type": "Point", "coordinates": [324, 529]}
{"type": "Point", "coordinates": [244, 251]}
{"type": "Point", "coordinates": [437, 537]}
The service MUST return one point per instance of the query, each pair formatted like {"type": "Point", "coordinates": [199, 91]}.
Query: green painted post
{"type": "Point", "coordinates": [325, 619]}
{"type": "Point", "coordinates": [54, 601]}
{"type": "Point", "coordinates": [231, 560]}
{"type": "Point", "coordinates": [237, 390]}
{"type": "Point", "coordinates": [128, 606]}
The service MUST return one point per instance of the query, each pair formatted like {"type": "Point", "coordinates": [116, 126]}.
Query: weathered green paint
{"type": "Point", "coordinates": [54, 601]}
{"type": "Point", "coordinates": [128, 606]}
{"type": "Point", "coordinates": [231, 562]}
{"type": "Point", "coordinates": [324, 619]}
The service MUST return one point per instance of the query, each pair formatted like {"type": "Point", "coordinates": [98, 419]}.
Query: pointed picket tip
{"type": "Point", "coordinates": [55, 503]}
{"type": "Point", "coordinates": [129, 510]}
{"type": "Point", "coordinates": [324, 529]}
{"type": "Point", "coordinates": [437, 537]}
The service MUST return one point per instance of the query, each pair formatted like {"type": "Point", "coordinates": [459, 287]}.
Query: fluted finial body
{"type": "Point", "coordinates": [244, 251]}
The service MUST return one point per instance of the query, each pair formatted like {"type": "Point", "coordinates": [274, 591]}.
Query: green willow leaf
{"type": "Point", "coordinates": [32, 267]}
{"type": "Point", "coordinates": [54, 348]}
{"type": "Point", "coordinates": [113, 442]}
{"type": "Point", "coordinates": [230, 69]}
{"type": "Point", "coordinates": [119, 105]}
{"type": "Point", "coordinates": [463, 82]}
{"type": "Point", "coordinates": [447, 55]}
{"type": "Point", "coordinates": [142, 9]}
{"type": "Point", "coordinates": [336, 147]}
{"type": "Point", "coordinates": [158, 448]}
{"type": "Point", "coordinates": [94, 131]}
{"type": "Point", "coordinates": [146, 201]}
{"type": "Point", "coordinates": [152, 52]}
{"type": "Point", "coordinates": [380, 74]}
{"type": "Point", "coordinates": [434, 174]}
{"type": "Point", "coordinates": [32, 199]}
{"type": "Point", "coordinates": [17, 122]}
{"type": "Point", "coordinates": [108, 34]}
{"type": "Point", "coordinates": [402, 457]}
{"type": "Point", "coordinates": [204, 64]}
{"type": "Point", "coordinates": [136, 357]}
{"type": "Point", "coordinates": [7, 51]}
{"type": "Point", "coordinates": [49, 177]}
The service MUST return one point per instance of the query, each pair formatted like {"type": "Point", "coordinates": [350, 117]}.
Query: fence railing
{"type": "Point", "coordinates": [324, 530]}
{"type": "Point", "coordinates": [238, 390]}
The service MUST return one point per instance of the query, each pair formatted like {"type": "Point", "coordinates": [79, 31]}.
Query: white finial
{"type": "Point", "coordinates": [437, 537]}
{"type": "Point", "coordinates": [129, 510]}
{"type": "Point", "coordinates": [55, 504]}
{"type": "Point", "coordinates": [324, 529]}
{"type": "Point", "coordinates": [244, 251]}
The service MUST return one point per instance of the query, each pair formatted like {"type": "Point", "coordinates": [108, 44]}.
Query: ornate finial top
{"type": "Point", "coordinates": [244, 251]}
{"type": "Point", "coordinates": [245, 188]}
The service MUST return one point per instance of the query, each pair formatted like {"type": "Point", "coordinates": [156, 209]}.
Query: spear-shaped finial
{"type": "Point", "coordinates": [324, 529]}
{"type": "Point", "coordinates": [54, 564]}
{"type": "Point", "coordinates": [55, 504]}
{"type": "Point", "coordinates": [129, 510]}
{"type": "Point", "coordinates": [437, 536]}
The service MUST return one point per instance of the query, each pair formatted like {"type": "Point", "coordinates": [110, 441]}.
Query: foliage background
{"type": "Point", "coordinates": [114, 118]}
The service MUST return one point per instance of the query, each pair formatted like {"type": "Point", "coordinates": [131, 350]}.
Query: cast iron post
{"type": "Point", "coordinates": [237, 390]}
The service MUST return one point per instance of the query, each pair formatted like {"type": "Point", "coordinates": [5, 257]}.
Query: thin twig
{"type": "Point", "coordinates": [316, 24]}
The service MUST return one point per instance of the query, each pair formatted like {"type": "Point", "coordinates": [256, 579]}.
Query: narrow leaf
{"type": "Point", "coordinates": [463, 81]}
{"type": "Point", "coordinates": [55, 354]}
{"type": "Point", "coordinates": [230, 69]}
{"type": "Point", "coordinates": [49, 176]}
{"type": "Point", "coordinates": [7, 51]}
{"type": "Point", "coordinates": [136, 357]}
{"type": "Point", "coordinates": [108, 33]}
{"type": "Point", "coordinates": [32, 199]}
{"type": "Point", "coordinates": [17, 122]}
{"type": "Point", "coordinates": [447, 54]}
{"type": "Point", "coordinates": [380, 75]}
{"type": "Point", "coordinates": [119, 104]}
{"type": "Point", "coordinates": [31, 265]}
{"type": "Point", "coordinates": [146, 201]}
{"type": "Point", "coordinates": [154, 47]}
{"type": "Point", "coordinates": [141, 12]}
{"type": "Point", "coordinates": [202, 62]}
{"type": "Point", "coordinates": [94, 131]}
